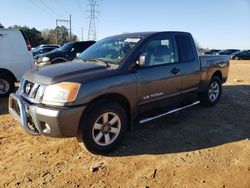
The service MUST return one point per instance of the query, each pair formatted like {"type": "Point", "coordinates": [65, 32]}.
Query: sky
{"type": "Point", "coordinates": [213, 23]}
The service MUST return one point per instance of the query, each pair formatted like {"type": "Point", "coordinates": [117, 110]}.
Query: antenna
{"type": "Point", "coordinates": [93, 17]}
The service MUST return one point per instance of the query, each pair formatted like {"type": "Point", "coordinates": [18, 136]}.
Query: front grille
{"type": "Point", "coordinates": [31, 91]}
{"type": "Point", "coordinates": [28, 87]}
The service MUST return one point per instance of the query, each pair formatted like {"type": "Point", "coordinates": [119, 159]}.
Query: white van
{"type": "Point", "coordinates": [15, 59]}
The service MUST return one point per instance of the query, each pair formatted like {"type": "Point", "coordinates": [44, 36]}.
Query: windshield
{"type": "Point", "coordinates": [66, 47]}
{"type": "Point", "coordinates": [111, 50]}
{"type": "Point", "coordinates": [36, 50]}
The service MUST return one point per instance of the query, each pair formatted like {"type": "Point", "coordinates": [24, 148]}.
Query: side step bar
{"type": "Point", "coordinates": [147, 119]}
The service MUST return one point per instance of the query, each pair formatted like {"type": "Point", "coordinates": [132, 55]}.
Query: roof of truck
{"type": "Point", "coordinates": [147, 34]}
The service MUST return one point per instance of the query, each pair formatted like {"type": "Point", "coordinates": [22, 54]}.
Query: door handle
{"type": "Point", "coordinates": [175, 71]}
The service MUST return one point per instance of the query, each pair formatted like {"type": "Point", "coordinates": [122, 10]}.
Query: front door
{"type": "Point", "coordinates": [158, 81]}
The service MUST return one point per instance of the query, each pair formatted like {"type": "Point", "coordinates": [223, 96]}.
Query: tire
{"type": "Point", "coordinates": [212, 95]}
{"type": "Point", "coordinates": [7, 85]}
{"type": "Point", "coordinates": [103, 127]}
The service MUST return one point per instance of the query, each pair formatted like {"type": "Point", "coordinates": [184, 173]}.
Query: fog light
{"type": "Point", "coordinates": [47, 128]}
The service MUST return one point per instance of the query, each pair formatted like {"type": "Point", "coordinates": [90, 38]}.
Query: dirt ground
{"type": "Point", "coordinates": [198, 147]}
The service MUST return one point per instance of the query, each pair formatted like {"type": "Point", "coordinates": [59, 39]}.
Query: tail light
{"type": "Point", "coordinates": [26, 41]}
{"type": "Point", "coordinates": [28, 45]}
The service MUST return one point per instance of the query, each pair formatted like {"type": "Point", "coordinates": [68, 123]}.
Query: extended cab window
{"type": "Point", "coordinates": [184, 46]}
{"type": "Point", "coordinates": [159, 51]}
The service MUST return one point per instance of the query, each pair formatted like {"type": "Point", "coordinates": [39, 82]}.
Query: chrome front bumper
{"type": "Point", "coordinates": [48, 121]}
{"type": "Point", "coordinates": [18, 109]}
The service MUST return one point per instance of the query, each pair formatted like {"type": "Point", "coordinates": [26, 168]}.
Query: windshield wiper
{"type": "Point", "coordinates": [96, 60]}
{"type": "Point", "coordinates": [77, 57]}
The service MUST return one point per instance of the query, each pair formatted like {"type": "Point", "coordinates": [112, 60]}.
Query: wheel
{"type": "Point", "coordinates": [7, 85]}
{"type": "Point", "coordinates": [212, 95]}
{"type": "Point", "coordinates": [103, 127]}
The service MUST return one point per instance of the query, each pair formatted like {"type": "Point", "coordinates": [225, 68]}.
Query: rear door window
{"type": "Point", "coordinates": [185, 48]}
{"type": "Point", "coordinates": [159, 51]}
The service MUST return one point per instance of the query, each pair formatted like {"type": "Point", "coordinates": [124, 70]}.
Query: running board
{"type": "Point", "coordinates": [145, 120]}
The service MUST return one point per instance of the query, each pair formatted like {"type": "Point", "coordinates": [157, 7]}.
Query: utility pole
{"type": "Point", "coordinates": [62, 20]}
{"type": "Point", "coordinates": [56, 33]}
{"type": "Point", "coordinates": [82, 33]}
{"type": "Point", "coordinates": [93, 17]}
{"type": "Point", "coordinates": [70, 27]}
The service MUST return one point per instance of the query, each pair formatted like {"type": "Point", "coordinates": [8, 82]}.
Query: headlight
{"type": "Point", "coordinates": [61, 93]}
{"type": "Point", "coordinates": [45, 59]}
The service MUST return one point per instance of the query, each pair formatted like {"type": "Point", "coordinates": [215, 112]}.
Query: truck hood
{"type": "Point", "coordinates": [51, 54]}
{"type": "Point", "coordinates": [74, 71]}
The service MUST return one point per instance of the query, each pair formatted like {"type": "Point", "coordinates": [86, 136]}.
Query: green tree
{"type": "Point", "coordinates": [1, 26]}
{"type": "Point", "coordinates": [59, 35]}
{"type": "Point", "coordinates": [63, 35]}
{"type": "Point", "coordinates": [34, 36]}
{"type": "Point", "coordinates": [47, 36]}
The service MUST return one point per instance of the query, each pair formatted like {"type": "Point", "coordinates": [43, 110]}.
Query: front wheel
{"type": "Point", "coordinates": [103, 127]}
{"type": "Point", "coordinates": [212, 95]}
{"type": "Point", "coordinates": [7, 85]}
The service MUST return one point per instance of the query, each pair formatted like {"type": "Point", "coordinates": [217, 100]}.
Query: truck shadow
{"type": "Point", "coordinates": [195, 128]}
{"type": "Point", "coordinates": [189, 130]}
{"type": "Point", "coordinates": [4, 105]}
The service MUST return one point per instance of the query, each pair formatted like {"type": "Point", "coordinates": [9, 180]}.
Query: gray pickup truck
{"type": "Point", "coordinates": [117, 82]}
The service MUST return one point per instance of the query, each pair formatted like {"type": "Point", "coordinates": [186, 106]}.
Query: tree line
{"type": "Point", "coordinates": [46, 36]}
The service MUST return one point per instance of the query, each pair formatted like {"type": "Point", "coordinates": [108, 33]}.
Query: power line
{"type": "Point", "coordinates": [64, 20]}
{"type": "Point", "coordinates": [45, 5]}
{"type": "Point", "coordinates": [93, 17]}
{"type": "Point", "coordinates": [61, 6]}
{"type": "Point", "coordinates": [79, 6]}
{"type": "Point", "coordinates": [36, 4]}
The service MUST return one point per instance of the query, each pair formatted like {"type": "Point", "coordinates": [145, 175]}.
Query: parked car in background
{"type": "Point", "coordinates": [119, 81]}
{"type": "Point", "coordinates": [212, 52]}
{"type": "Point", "coordinates": [232, 54]}
{"type": "Point", "coordinates": [244, 55]}
{"type": "Point", "coordinates": [15, 59]}
{"type": "Point", "coordinates": [44, 49]}
{"type": "Point", "coordinates": [66, 53]}
{"type": "Point", "coordinates": [48, 45]}
{"type": "Point", "coordinates": [227, 52]}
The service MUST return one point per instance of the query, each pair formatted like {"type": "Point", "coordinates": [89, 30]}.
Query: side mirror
{"type": "Point", "coordinates": [141, 61]}
{"type": "Point", "coordinates": [72, 49]}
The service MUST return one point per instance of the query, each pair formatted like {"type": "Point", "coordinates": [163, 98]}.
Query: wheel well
{"type": "Point", "coordinates": [59, 59]}
{"type": "Point", "coordinates": [115, 98]}
{"type": "Point", "coordinates": [7, 72]}
{"type": "Point", "coordinates": [218, 74]}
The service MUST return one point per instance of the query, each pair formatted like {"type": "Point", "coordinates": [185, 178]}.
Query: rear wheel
{"type": "Point", "coordinates": [212, 95]}
{"type": "Point", "coordinates": [103, 127]}
{"type": "Point", "coordinates": [7, 85]}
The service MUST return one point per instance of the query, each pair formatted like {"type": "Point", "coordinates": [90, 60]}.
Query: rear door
{"type": "Point", "coordinates": [189, 63]}
{"type": "Point", "coordinates": [158, 80]}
